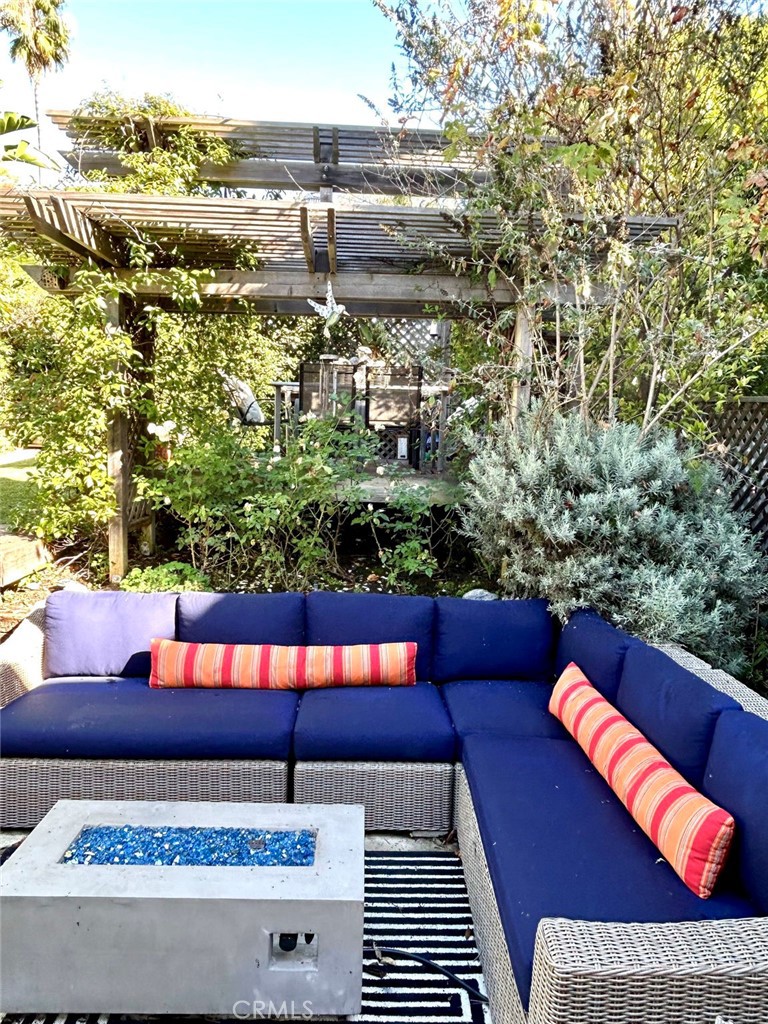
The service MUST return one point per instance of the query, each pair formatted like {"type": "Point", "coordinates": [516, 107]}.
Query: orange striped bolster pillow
{"type": "Point", "coordinates": [272, 667]}
{"type": "Point", "coordinates": [691, 832]}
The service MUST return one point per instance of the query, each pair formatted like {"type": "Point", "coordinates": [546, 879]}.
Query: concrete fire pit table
{"type": "Point", "coordinates": [185, 908]}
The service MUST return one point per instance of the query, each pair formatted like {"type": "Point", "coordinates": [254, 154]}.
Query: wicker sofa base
{"type": "Point", "coordinates": [506, 1007]}
{"type": "Point", "coordinates": [398, 796]}
{"type": "Point", "coordinates": [587, 972]}
{"type": "Point", "coordinates": [29, 786]}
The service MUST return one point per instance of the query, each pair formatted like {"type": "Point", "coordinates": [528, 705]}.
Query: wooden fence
{"type": "Point", "coordinates": [743, 429]}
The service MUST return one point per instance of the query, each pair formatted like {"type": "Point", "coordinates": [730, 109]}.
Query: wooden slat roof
{"type": "Point", "coordinates": [209, 232]}
{"type": "Point", "coordinates": [279, 140]}
{"type": "Point", "coordinates": [291, 156]}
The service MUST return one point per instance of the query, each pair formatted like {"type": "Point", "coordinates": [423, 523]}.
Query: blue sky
{"type": "Point", "coordinates": [299, 60]}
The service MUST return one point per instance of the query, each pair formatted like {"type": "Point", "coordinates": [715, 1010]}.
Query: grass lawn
{"type": "Point", "coordinates": [17, 492]}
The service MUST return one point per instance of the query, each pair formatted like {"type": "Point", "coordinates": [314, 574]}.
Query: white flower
{"type": "Point", "coordinates": [162, 431]}
{"type": "Point", "coordinates": [370, 507]}
{"type": "Point", "coordinates": [379, 471]}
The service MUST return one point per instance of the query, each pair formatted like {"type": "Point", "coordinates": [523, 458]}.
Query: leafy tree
{"type": "Point", "coordinates": [584, 114]}
{"type": "Point", "coordinates": [39, 39]}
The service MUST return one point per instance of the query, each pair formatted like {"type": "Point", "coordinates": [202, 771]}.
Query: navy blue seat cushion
{"type": "Point", "coordinates": [560, 844]}
{"type": "Point", "coordinates": [503, 706]}
{"type": "Point", "coordinates": [338, 618]}
{"type": "Point", "coordinates": [674, 709]}
{"type": "Point", "coordinates": [736, 778]}
{"type": "Point", "coordinates": [241, 618]}
{"type": "Point", "coordinates": [126, 719]}
{"type": "Point", "coordinates": [493, 640]}
{"type": "Point", "coordinates": [597, 647]}
{"type": "Point", "coordinates": [104, 633]}
{"type": "Point", "coordinates": [374, 723]}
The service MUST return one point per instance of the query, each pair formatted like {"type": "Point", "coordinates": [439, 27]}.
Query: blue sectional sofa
{"type": "Point", "coordinates": [578, 918]}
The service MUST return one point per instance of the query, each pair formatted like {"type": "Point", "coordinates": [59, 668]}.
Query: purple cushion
{"type": "Point", "coordinates": [597, 647]}
{"type": "Point", "coordinates": [736, 778]}
{"type": "Point", "coordinates": [674, 709]}
{"type": "Point", "coordinates": [493, 640]}
{"type": "Point", "coordinates": [241, 618]}
{"type": "Point", "coordinates": [501, 706]}
{"type": "Point", "coordinates": [104, 633]}
{"type": "Point", "coordinates": [127, 719]}
{"type": "Point", "coordinates": [338, 618]}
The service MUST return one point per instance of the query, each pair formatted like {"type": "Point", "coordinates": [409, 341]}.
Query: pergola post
{"type": "Point", "coordinates": [118, 470]}
{"type": "Point", "coordinates": [523, 345]}
{"type": "Point", "coordinates": [444, 337]}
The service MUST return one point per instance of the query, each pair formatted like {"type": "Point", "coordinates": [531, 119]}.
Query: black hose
{"type": "Point", "coordinates": [466, 985]}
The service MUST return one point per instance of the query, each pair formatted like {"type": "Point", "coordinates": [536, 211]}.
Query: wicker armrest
{"type": "Point", "coordinates": [21, 657]}
{"type": "Point", "coordinates": [749, 699]}
{"type": "Point", "coordinates": [686, 973]}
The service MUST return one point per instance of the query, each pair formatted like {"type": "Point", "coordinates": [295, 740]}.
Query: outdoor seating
{"type": "Point", "coordinates": [577, 915]}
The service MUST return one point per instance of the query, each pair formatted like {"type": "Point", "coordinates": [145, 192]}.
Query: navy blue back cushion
{"type": "Point", "coordinates": [104, 633]}
{"type": "Point", "coordinates": [493, 640]}
{"type": "Point", "coordinates": [241, 618]}
{"type": "Point", "coordinates": [597, 647]}
{"type": "Point", "coordinates": [675, 710]}
{"type": "Point", "coordinates": [336, 618]}
{"type": "Point", "coordinates": [736, 778]}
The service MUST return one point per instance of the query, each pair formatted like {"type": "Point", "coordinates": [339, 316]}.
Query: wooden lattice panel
{"type": "Point", "coordinates": [408, 340]}
{"type": "Point", "coordinates": [743, 429]}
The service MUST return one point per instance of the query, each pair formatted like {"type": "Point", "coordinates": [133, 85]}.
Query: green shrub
{"type": "Point", "coordinates": [251, 519]}
{"type": "Point", "coordinates": [630, 524]}
{"type": "Point", "coordinates": [172, 576]}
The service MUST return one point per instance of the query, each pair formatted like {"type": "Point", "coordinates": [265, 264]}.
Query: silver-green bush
{"type": "Point", "coordinates": [634, 525]}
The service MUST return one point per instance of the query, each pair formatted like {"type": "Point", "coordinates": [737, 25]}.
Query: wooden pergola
{"type": "Point", "coordinates": [384, 260]}
{"type": "Point", "coordinates": [289, 155]}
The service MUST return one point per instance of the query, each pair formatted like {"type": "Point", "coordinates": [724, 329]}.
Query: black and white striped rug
{"type": "Point", "coordinates": [415, 902]}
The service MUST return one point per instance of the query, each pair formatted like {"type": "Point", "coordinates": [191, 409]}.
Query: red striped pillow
{"type": "Point", "coordinates": [272, 667]}
{"type": "Point", "coordinates": [691, 832]}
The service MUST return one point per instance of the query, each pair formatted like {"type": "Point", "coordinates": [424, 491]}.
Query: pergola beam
{"type": "Point", "coordinates": [70, 229]}
{"type": "Point", "coordinates": [87, 233]}
{"type": "Point", "coordinates": [362, 292]}
{"type": "Point", "coordinates": [306, 240]}
{"type": "Point", "coordinates": [301, 175]}
{"type": "Point", "coordinates": [419, 289]}
{"type": "Point", "coordinates": [46, 224]}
